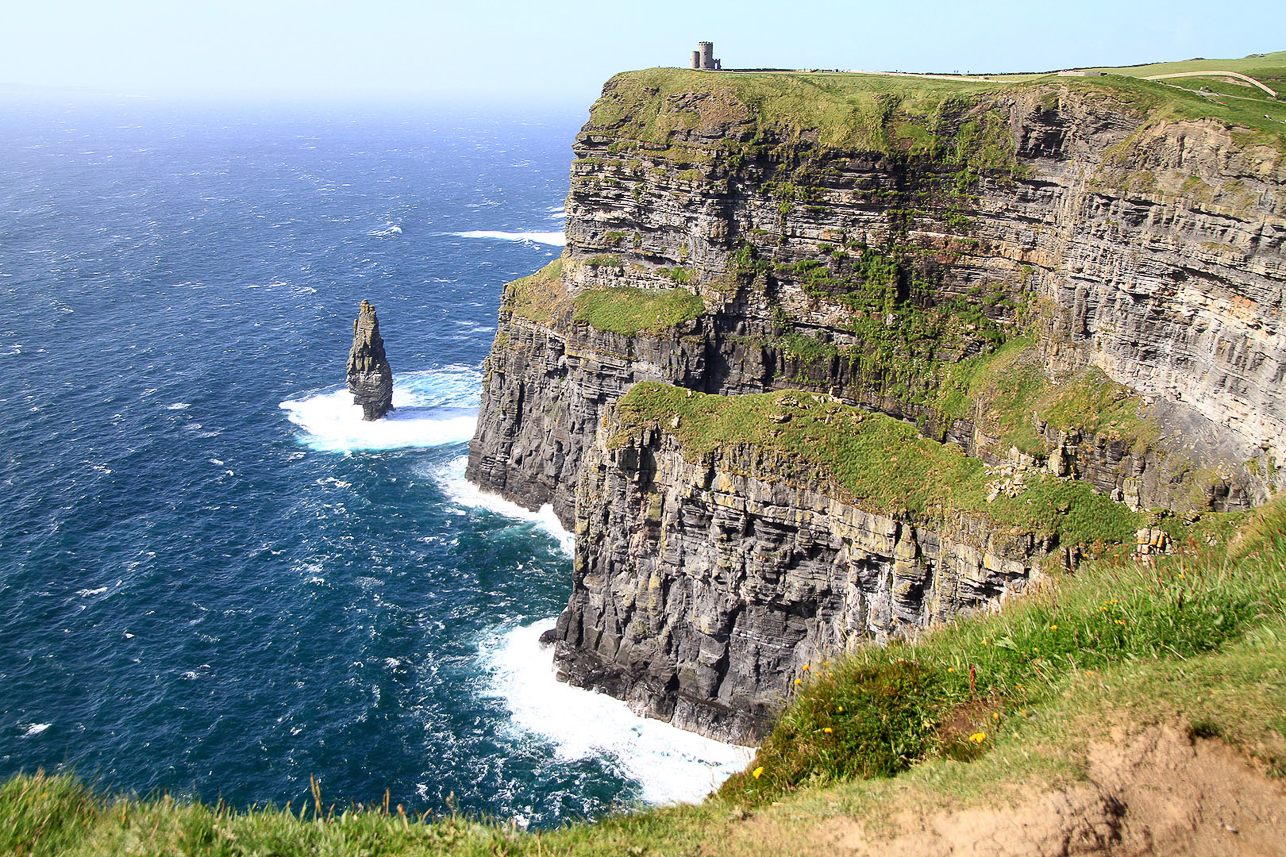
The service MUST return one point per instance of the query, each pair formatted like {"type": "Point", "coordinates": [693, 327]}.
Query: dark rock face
{"type": "Point", "coordinates": [370, 379]}
{"type": "Point", "coordinates": [702, 590]}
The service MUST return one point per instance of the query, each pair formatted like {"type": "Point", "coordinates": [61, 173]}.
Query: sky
{"type": "Point", "coordinates": [559, 54]}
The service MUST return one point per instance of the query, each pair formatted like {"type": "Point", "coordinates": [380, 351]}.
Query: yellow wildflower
{"type": "Point", "coordinates": [828, 730]}
{"type": "Point", "coordinates": [799, 681]}
{"type": "Point", "coordinates": [995, 715]}
{"type": "Point", "coordinates": [1053, 627]}
{"type": "Point", "coordinates": [978, 737]}
{"type": "Point", "coordinates": [757, 772]}
{"type": "Point", "coordinates": [805, 667]}
{"type": "Point", "coordinates": [951, 669]}
{"type": "Point", "coordinates": [841, 709]}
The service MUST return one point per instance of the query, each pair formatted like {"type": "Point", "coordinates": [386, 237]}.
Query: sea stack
{"type": "Point", "coordinates": [370, 379]}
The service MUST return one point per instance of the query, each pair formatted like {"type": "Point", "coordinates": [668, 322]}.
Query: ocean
{"type": "Point", "coordinates": [215, 580]}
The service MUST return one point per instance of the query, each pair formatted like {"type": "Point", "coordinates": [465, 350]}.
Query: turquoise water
{"type": "Point", "coordinates": [214, 580]}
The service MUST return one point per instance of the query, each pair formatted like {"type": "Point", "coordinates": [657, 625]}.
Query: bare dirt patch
{"type": "Point", "coordinates": [1153, 793]}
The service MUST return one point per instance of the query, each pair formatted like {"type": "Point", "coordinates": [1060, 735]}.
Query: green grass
{"type": "Point", "coordinates": [1004, 389]}
{"type": "Point", "coordinates": [1269, 66]}
{"type": "Point", "coordinates": [899, 114]}
{"type": "Point", "coordinates": [629, 311]}
{"type": "Point", "coordinates": [878, 463]}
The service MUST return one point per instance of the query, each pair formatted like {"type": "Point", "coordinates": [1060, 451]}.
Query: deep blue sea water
{"type": "Point", "coordinates": [214, 579]}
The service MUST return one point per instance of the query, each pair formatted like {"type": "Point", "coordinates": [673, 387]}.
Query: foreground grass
{"type": "Point", "coordinates": [956, 692]}
{"type": "Point", "coordinates": [986, 711]}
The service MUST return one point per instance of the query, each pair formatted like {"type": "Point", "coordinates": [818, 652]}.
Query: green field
{"type": "Point", "coordinates": [874, 112]}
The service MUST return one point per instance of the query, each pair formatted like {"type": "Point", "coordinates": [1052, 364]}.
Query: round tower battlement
{"type": "Point", "coordinates": [706, 55]}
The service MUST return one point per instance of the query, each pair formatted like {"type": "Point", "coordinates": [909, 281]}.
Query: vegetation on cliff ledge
{"type": "Point", "coordinates": [539, 297]}
{"type": "Point", "coordinates": [662, 108]}
{"type": "Point", "coordinates": [628, 310]}
{"type": "Point", "coordinates": [879, 464]}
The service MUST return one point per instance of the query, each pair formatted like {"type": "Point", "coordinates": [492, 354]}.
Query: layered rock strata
{"type": "Point", "coordinates": [370, 378]}
{"type": "Point", "coordinates": [1155, 250]}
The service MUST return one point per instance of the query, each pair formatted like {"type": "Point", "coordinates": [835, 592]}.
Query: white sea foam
{"type": "Point", "coordinates": [432, 408]}
{"type": "Point", "coordinates": [35, 729]}
{"type": "Point", "coordinates": [464, 493]}
{"type": "Point", "coordinates": [555, 239]}
{"type": "Point", "coordinates": [669, 764]}
{"type": "Point", "coordinates": [178, 406]}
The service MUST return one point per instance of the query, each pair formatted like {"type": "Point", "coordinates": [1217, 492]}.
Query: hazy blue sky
{"type": "Point", "coordinates": [560, 53]}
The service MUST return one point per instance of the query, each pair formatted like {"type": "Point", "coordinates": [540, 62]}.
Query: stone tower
{"type": "Point", "coordinates": [703, 57]}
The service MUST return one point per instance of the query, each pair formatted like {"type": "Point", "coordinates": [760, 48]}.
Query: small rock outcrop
{"type": "Point", "coordinates": [370, 378]}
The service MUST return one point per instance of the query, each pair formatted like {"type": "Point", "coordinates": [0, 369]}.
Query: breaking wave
{"type": "Point", "coordinates": [462, 492]}
{"type": "Point", "coordinates": [432, 408]}
{"type": "Point", "coordinates": [669, 764]}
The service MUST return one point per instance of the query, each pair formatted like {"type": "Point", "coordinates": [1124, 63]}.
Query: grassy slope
{"type": "Point", "coordinates": [851, 110]}
{"type": "Point", "coordinates": [629, 311]}
{"type": "Point", "coordinates": [1003, 389]}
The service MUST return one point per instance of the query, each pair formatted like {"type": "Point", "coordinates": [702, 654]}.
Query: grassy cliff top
{"type": "Point", "coordinates": [851, 110]}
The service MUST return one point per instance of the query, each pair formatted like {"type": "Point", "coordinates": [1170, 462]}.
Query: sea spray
{"type": "Point", "coordinates": [670, 765]}
{"type": "Point", "coordinates": [431, 408]}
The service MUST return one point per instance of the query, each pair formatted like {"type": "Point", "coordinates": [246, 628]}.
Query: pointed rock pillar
{"type": "Point", "coordinates": [370, 379]}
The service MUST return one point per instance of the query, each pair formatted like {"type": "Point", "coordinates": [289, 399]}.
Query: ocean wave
{"type": "Point", "coordinates": [387, 230]}
{"type": "Point", "coordinates": [464, 493]}
{"type": "Point", "coordinates": [554, 239]}
{"type": "Point", "coordinates": [669, 764]}
{"type": "Point", "coordinates": [433, 408]}
{"type": "Point", "coordinates": [35, 729]}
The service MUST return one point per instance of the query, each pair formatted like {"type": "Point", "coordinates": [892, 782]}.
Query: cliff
{"type": "Point", "coordinates": [1065, 282]}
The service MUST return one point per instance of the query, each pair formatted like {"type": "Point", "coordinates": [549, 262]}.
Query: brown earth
{"type": "Point", "coordinates": [1156, 793]}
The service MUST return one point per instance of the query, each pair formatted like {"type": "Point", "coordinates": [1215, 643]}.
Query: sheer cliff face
{"type": "Point", "coordinates": [1112, 281]}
